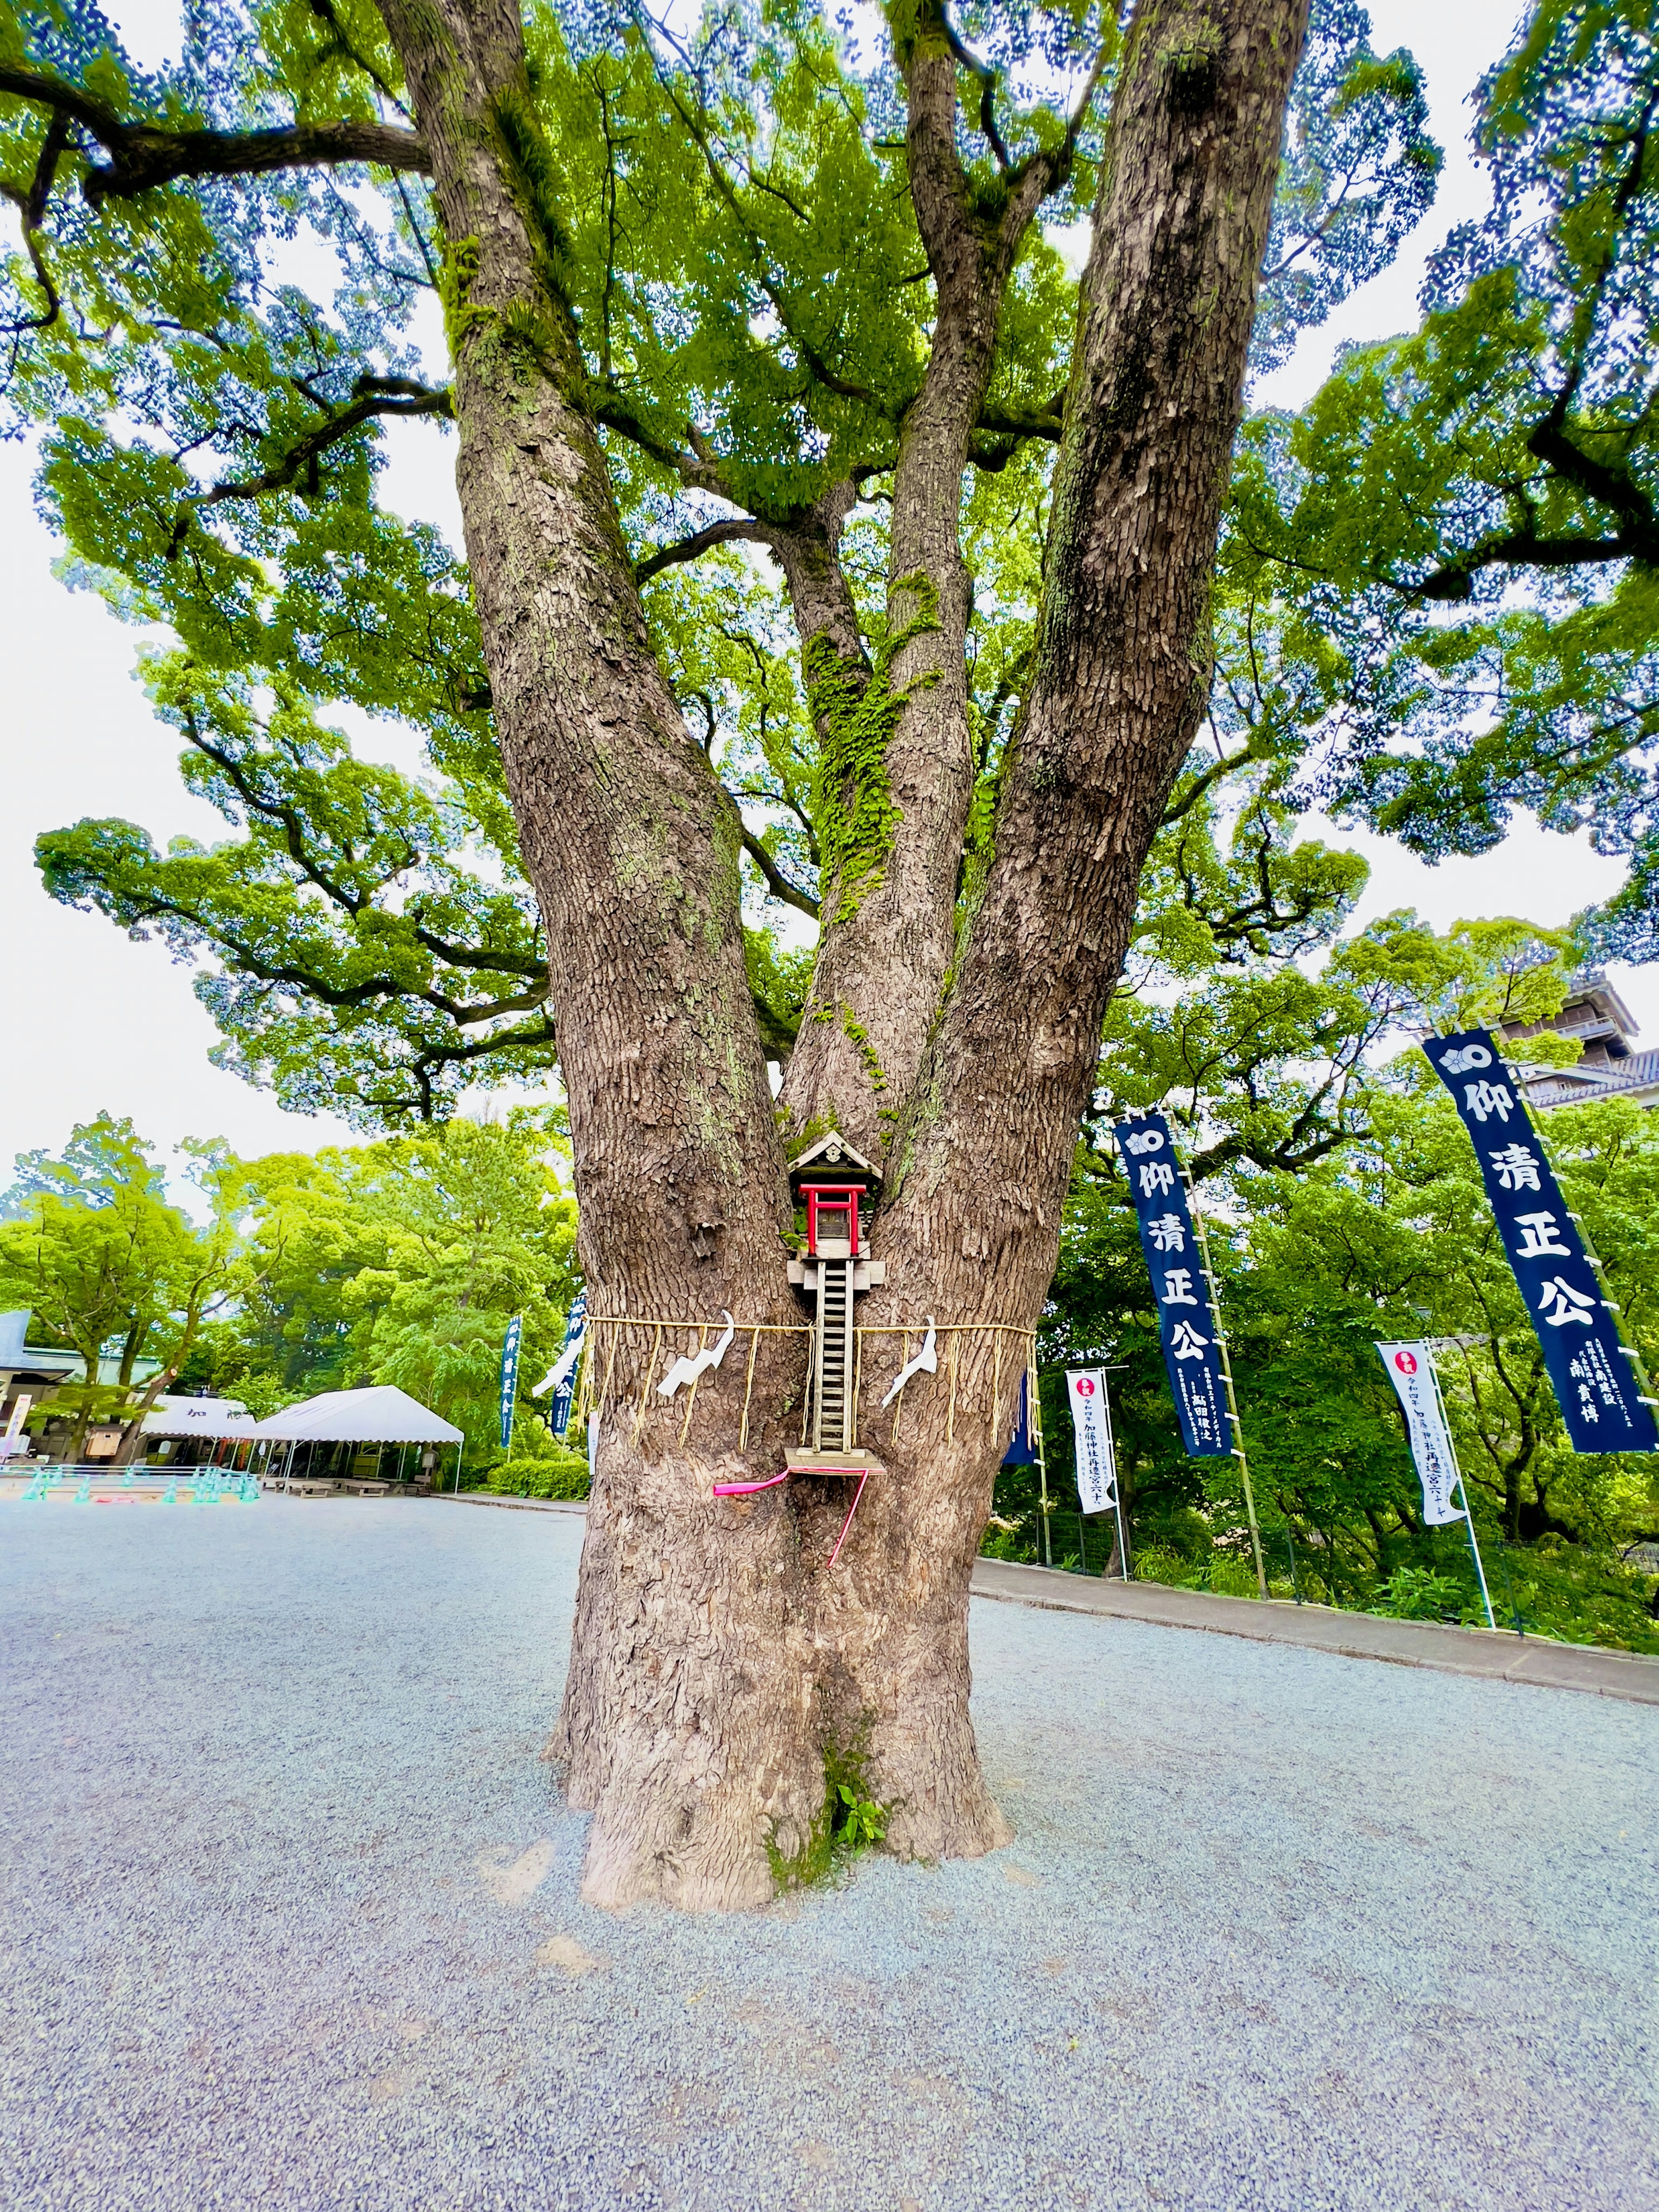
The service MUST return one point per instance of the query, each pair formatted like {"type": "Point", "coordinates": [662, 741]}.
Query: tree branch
{"type": "Point", "coordinates": [776, 882]}
{"type": "Point", "coordinates": [701, 542]}
{"type": "Point", "coordinates": [142, 155]}
{"type": "Point", "coordinates": [376, 396]}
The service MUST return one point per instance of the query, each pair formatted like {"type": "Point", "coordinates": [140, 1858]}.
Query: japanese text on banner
{"type": "Point", "coordinates": [1186, 1322]}
{"type": "Point", "coordinates": [1589, 1370]}
{"type": "Point", "coordinates": [1091, 1425]}
{"type": "Point", "coordinates": [1431, 1448]}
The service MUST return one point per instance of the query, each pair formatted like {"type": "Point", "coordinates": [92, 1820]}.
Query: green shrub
{"type": "Point", "coordinates": [552, 1474]}
{"type": "Point", "coordinates": [1157, 1563]}
{"type": "Point", "coordinates": [1419, 1594]}
{"type": "Point", "coordinates": [1574, 1594]}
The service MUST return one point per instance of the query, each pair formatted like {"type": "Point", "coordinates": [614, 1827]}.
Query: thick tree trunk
{"type": "Point", "coordinates": [685, 1726]}
{"type": "Point", "coordinates": [713, 1657]}
{"type": "Point", "coordinates": [977, 1177]}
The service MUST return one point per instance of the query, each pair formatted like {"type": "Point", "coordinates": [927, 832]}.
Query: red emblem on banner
{"type": "Point", "coordinates": [1404, 1362]}
{"type": "Point", "coordinates": [1085, 1386]}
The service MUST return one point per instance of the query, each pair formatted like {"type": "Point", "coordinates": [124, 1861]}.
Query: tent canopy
{"type": "Point", "coordinates": [199, 1417]}
{"type": "Point", "coordinates": [379, 1415]}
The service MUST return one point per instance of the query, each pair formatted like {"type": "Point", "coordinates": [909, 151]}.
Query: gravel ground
{"type": "Point", "coordinates": [290, 1919]}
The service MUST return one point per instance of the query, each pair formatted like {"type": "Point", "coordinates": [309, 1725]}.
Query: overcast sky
{"type": "Point", "coordinates": [94, 1021]}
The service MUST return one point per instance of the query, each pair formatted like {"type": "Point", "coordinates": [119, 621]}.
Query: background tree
{"type": "Point", "coordinates": [1454, 544]}
{"type": "Point", "coordinates": [402, 1263]}
{"type": "Point", "coordinates": [91, 1246]}
{"type": "Point", "coordinates": [1345, 1207]}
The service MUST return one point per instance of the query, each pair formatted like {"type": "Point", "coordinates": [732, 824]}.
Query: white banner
{"type": "Point", "coordinates": [1431, 1448]}
{"type": "Point", "coordinates": [1091, 1425]}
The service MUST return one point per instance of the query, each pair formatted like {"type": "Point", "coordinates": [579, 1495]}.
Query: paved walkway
{"type": "Point", "coordinates": [1498, 1654]}
{"type": "Point", "coordinates": [1495, 1654]}
{"type": "Point", "coordinates": [289, 1917]}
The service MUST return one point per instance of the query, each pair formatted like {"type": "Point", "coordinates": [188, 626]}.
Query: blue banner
{"type": "Point", "coordinates": [510, 1376]}
{"type": "Point", "coordinates": [1022, 1452]}
{"type": "Point", "coordinates": [564, 1389]}
{"type": "Point", "coordinates": [1186, 1321]}
{"type": "Point", "coordinates": [1590, 1371]}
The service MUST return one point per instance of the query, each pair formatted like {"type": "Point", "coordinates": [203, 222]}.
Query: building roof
{"type": "Point", "coordinates": [18, 1357]}
{"type": "Point", "coordinates": [1592, 1009]}
{"type": "Point", "coordinates": [1569, 1086]}
{"type": "Point", "coordinates": [199, 1417]}
{"type": "Point", "coordinates": [378, 1415]}
{"type": "Point", "coordinates": [832, 1154]}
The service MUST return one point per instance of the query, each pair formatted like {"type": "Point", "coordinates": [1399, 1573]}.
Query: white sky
{"type": "Point", "coordinates": [94, 1021]}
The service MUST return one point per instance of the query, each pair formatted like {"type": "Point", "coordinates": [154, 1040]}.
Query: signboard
{"type": "Point", "coordinates": [1590, 1371]}
{"type": "Point", "coordinates": [1186, 1321]}
{"type": "Point", "coordinates": [14, 1440]}
{"type": "Point", "coordinates": [1410, 1372]}
{"type": "Point", "coordinates": [1092, 1426]}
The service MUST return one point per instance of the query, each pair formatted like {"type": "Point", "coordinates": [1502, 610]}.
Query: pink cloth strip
{"type": "Point", "coordinates": [747, 1489]}
{"type": "Point", "coordinates": [848, 1523]}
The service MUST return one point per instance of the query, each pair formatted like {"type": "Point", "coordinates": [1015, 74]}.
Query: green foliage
{"type": "Point", "coordinates": [847, 1823]}
{"type": "Point", "coordinates": [90, 1245]}
{"type": "Point", "coordinates": [398, 1263]}
{"type": "Point", "coordinates": [364, 964]}
{"type": "Point", "coordinates": [546, 1471]}
{"type": "Point", "coordinates": [1383, 1233]}
{"type": "Point", "coordinates": [728, 244]}
{"type": "Point", "coordinates": [1456, 542]}
{"type": "Point", "coordinates": [1563, 1590]}
{"type": "Point", "coordinates": [1419, 1594]}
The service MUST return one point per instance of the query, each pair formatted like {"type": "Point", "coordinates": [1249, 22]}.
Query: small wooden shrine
{"type": "Point", "coordinates": [833, 1181]}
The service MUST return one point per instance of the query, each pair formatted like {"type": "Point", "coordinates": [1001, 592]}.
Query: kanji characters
{"type": "Point", "coordinates": [1483, 1099]}
{"type": "Point", "coordinates": [1538, 1238]}
{"type": "Point", "coordinates": [1156, 1177]}
{"type": "Point", "coordinates": [1178, 1287]}
{"type": "Point", "coordinates": [1186, 1343]}
{"type": "Point", "coordinates": [1168, 1233]}
{"type": "Point", "coordinates": [1560, 1304]}
{"type": "Point", "coordinates": [1517, 1168]}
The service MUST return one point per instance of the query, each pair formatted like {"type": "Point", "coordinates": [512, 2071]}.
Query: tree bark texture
{"type": "Point", "coordinates": [713, 1655]}
{"type": "Point", "coordinates": [684, 1729]}
{"type": "Point", "coordinates": [970, 1223]}
{"type": "Point", "coordinates": [888, 935]}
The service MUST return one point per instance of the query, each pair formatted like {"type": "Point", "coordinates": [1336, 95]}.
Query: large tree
{"type": "Point", "coordinates": [727, 280]}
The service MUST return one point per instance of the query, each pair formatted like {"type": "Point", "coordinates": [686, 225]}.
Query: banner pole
{"type": "Point", "coordinates": [1463, 1488]}
{"type": "Point", "coordinates": [1117, 1494]}
{"type": "Point", "coordinates": [1034, 1417]}
{"type": "Point", "coordinates": [1227, 1377]}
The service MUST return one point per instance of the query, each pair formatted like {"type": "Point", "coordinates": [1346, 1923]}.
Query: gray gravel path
{"type": "Point", "coordinates": [289, 1918]}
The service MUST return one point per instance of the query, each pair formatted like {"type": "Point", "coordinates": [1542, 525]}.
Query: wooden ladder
{"type": "Point", "coordinates": [833, 1409]}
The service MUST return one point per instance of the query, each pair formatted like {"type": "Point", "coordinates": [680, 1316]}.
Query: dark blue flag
{"type": "Point", "coordinates": [1022, 1452]}
{"type": "Point", "coordinates": [1589, 1370]}
{"type": "Point", "coordinates": [1186, 1321]}
{"type": "Point", "coordinates": [510, 1376]}
{"type": "Point", "coordinates": [564, 1387]}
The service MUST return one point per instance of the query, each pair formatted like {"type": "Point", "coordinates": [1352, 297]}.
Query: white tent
{"type": "Point", "coordinates": [199, 1417]}
{"type": "Point", "coordinates": [378, 1415]}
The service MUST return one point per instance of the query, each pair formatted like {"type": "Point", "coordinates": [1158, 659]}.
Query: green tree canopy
{"type": "Point", "coordinates": [214, 450]}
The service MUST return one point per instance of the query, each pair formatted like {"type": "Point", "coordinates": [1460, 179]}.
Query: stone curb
{"type": "Point", "coordinates": [514, 1504]}
{"type": "Point", "coordinates": [1499, 1656]}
